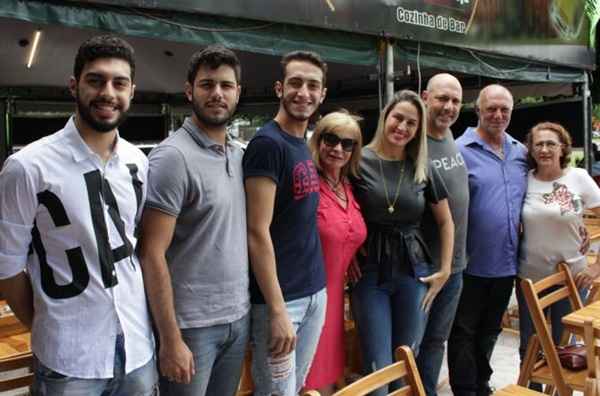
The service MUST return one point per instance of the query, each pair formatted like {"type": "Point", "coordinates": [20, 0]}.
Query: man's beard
{"type": "Point", "coordinates": [99, 126]}
{"type": "Point", "coordinates": [210, 121]}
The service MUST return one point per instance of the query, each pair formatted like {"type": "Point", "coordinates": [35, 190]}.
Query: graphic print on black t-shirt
{"type": "Point", "coordinates": [306, 179]}
{"type": "Point", "coordinates": [286, 160]}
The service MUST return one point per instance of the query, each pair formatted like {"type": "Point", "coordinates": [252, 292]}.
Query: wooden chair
{"type": "Point", "coordinates": [591, 337]}
{"type": "Point", "coordinates": [246, 385]}
{"type": "Point", "coordinates": [15, 352]}
{"type": "Point", "coordinates": [548, 369]}
{"type": "Point", "coordinates": [594, 293]}
{"type": "Point", "coordinates": [405, 368]}
{"type": "Point", "coordinates": [23, 377]}
{"type": "Point", "coordinates": [592, 223]}
{"type": "Point", "coordinates": [516, 390]}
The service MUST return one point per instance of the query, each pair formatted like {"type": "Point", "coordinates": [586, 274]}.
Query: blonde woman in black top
{"type": "Point", "coordinates": [391, 299]}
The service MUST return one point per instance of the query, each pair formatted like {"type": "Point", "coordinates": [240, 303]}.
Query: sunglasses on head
{"type": "Point", "coordinates": [332, 140]}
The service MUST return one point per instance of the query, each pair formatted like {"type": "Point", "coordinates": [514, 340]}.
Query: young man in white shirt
{"type": "Point", "coordinates": [69, 204]}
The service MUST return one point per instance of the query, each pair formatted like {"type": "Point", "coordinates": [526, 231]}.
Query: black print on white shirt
{"type": "Point", "coordinates": [81, 276]}
{"type": "Point", "coordinates": [99, 194]}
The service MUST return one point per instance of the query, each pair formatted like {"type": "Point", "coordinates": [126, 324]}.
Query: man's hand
{"type": "Point", "coordinates": [283, 335]}
{"type": "Point", "coordinates": [435, 282]}
{"type": "Point", "coordinates": [353, 273]}
{"type": "Point", "coordinates": [176, 361]}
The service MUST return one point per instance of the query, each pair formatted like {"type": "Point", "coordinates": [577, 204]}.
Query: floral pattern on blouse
{"type": "Point", "coordinates": [566, 200]}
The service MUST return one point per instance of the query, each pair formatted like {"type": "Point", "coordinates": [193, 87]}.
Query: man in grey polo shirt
{"type": "Point", "coordinates": [194, 247]}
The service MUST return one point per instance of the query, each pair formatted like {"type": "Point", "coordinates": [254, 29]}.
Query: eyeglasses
{"type": "Point", "coordinates": [332, 140]}
{"type": "Point", "coordinates": [549, 144]}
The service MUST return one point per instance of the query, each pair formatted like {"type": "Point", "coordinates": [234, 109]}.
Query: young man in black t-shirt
{"type": "Point", "coordinates": [282, 193]}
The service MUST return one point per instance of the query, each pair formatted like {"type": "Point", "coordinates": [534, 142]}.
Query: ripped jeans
{"type": "Point", "coordinates": [285, 376]}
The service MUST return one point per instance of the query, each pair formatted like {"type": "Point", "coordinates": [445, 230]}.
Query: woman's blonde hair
{"type": "Point", "coordinates": [340, 120]}
{"type": "Point", "coordinates": [416, 149]}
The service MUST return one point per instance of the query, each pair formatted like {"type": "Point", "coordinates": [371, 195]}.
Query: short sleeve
{"type": "Point", "coordinates": [143, 175]}
{"type": "Point", "coordinates": [590, 191]}
{"type": "Point", "coordinates": [18, 206]}
{"type": "Point", "coordinates": [435, 190]}
{"type": "Point", "coordinates": [167, 180]}
{"type": "Point", "coordinates": [263, 158]}
{"type": "Point", "coordinates": [140, 179]}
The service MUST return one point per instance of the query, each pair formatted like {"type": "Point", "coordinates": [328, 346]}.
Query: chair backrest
{"type": "Point", "coordinates": [23, 377]}
{"type": "Point", "coordinates": [563, 281]}
{"type": "Point", "coordinates": [592, 224]}
{"type": "Point", "coordinates": [540, 295]}
{"type": "Point", "coordinates": [405, 368]}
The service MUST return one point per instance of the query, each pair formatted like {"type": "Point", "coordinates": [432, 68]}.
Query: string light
{"type": "Point", "coordinates": [34, 48]}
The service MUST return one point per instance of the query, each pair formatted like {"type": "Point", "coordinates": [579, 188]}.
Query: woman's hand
{"type": "Point", "coordinates": [435, 282]}
{"type": "Point", "coordinates": [585, 278]}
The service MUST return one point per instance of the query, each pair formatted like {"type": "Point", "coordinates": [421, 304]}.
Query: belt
{"type": "Point", "coordinates": [396, 249]}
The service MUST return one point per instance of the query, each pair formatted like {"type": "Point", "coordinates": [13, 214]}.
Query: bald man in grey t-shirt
{"type": "Point", "coordinates": [443, 98]}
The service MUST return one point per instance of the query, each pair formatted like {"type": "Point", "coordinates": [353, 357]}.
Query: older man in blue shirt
{"type": "Point", "coordinates": [497, 168]}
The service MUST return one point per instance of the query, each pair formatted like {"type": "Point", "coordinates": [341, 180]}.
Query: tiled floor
{"type": "Point", "coordinates": [505, 362]}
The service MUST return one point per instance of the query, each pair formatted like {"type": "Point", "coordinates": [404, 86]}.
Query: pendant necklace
{"type": "Point", "coordinates": [392, 204]}
{"type": "Point", "coordinates": [333, 185]}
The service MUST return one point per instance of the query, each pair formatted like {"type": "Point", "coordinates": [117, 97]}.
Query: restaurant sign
{"type": "Point", "coordinates": [553, 30]}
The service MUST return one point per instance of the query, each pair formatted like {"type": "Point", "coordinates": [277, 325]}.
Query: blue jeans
{"type": "Point", "coordinates": [439, 324]}
{"type": "Point", "coordinates": [285, 376]}
{"type": "Point", "coordinates": [387, 316]}
{"type": "Point", "coordinates": [475, 331]}
{"type": "Point", "coordinates": [140, 382]}
{"type": "Point", "coordinates": [218, 358]}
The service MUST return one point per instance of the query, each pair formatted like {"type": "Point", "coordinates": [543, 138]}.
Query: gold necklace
{"type": "Point", "coordinates": [391, 205]}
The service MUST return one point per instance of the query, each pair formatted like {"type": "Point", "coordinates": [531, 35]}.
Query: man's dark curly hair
{"type": "Point", "coordinates": [214, 56]}
{"type": "Point", "coordinates": [106, 46]}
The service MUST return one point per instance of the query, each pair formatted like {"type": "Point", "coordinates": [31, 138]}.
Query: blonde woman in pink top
{"type": "Point", "coordinates": [335, 145]}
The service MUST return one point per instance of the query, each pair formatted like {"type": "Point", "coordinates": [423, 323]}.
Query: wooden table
{"type": "Point", "coordinates": [574, 321]}
{"type": "Point", "coordinates": [15, 345]}
{"type": "Point", "coordinates": [14, 337]}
